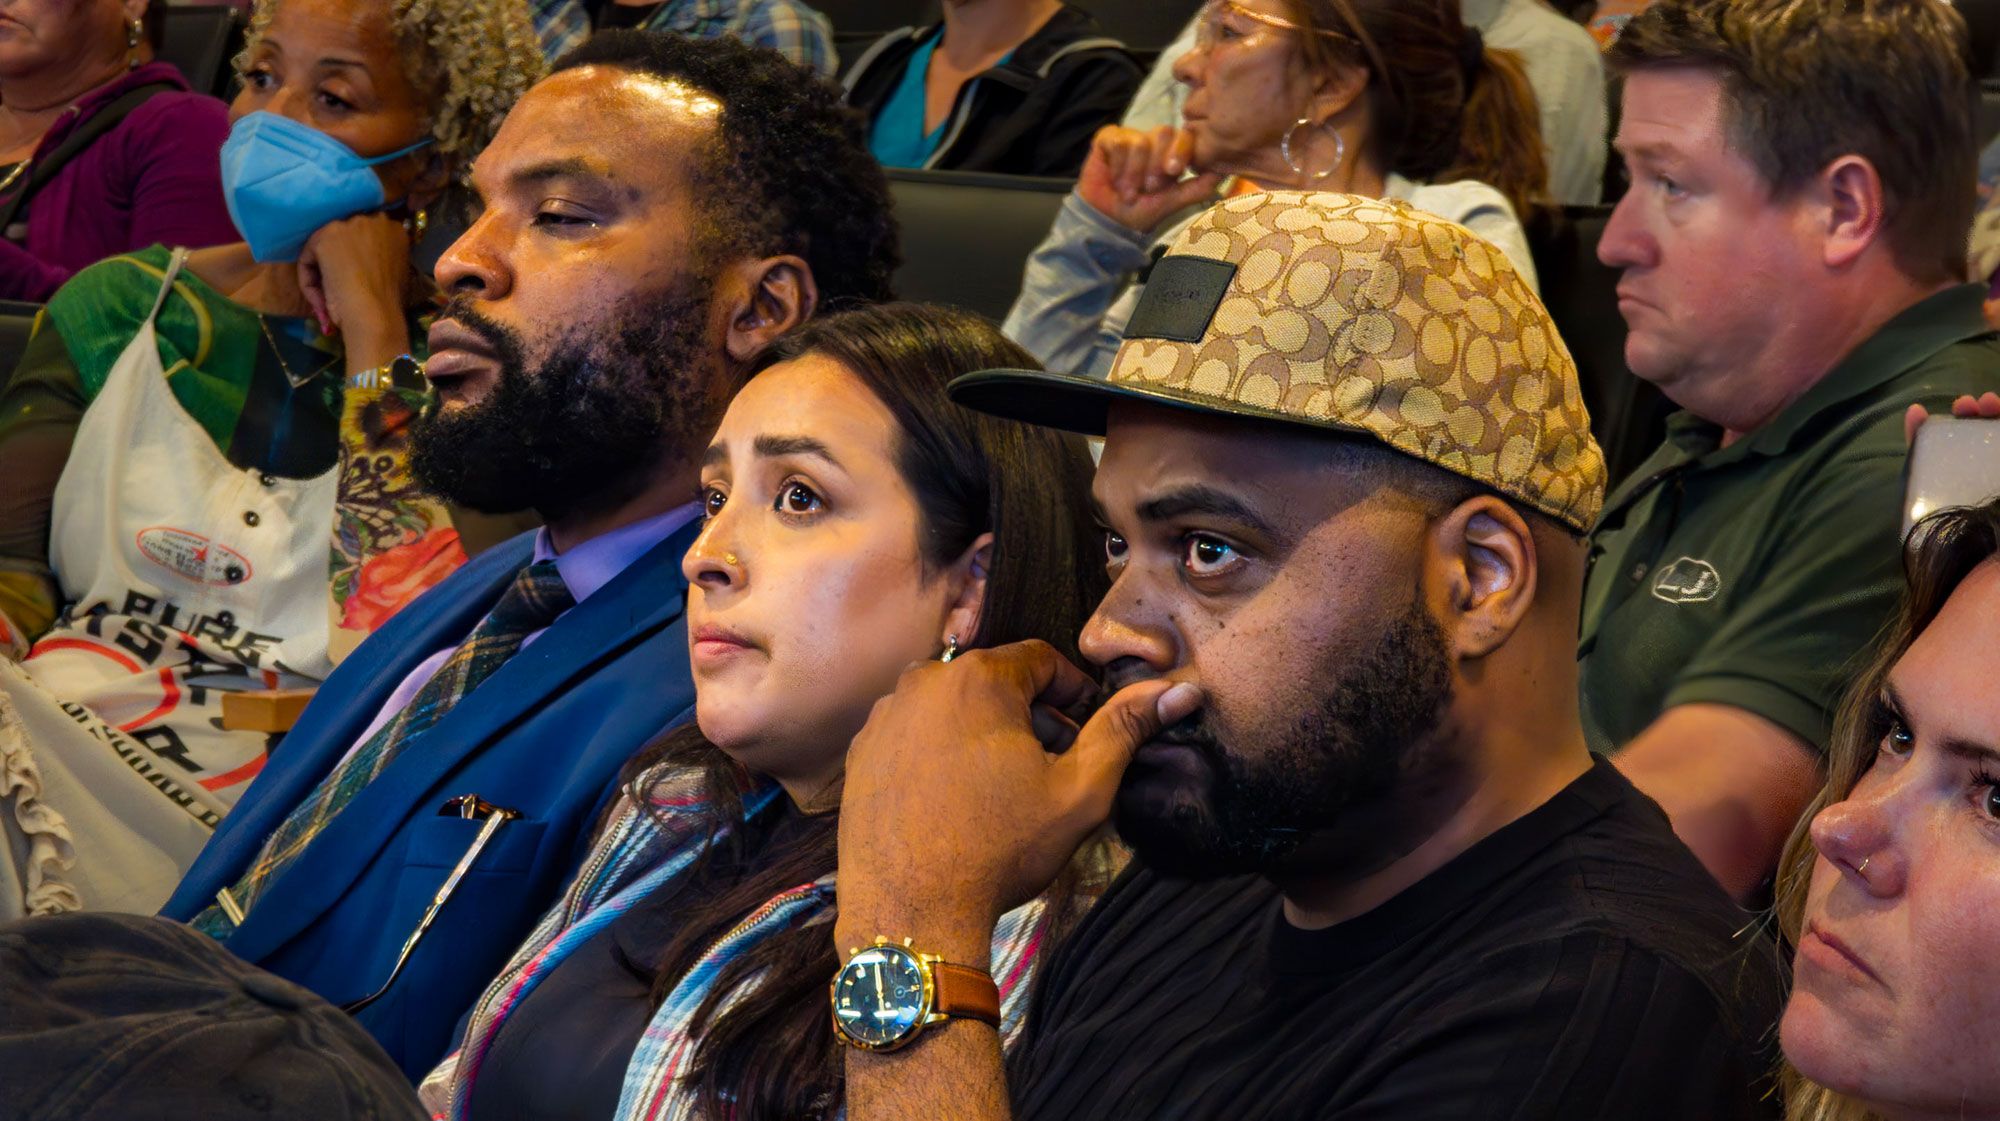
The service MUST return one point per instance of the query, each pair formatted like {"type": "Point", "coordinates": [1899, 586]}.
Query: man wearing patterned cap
{"type": "Point", "coordinates": [1377, 873]}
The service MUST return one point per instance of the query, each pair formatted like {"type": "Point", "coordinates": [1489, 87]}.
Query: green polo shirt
{"type": "Point", "coordinates": [1757, 574]}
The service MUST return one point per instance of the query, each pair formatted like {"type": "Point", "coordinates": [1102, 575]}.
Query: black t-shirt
{"type": "Point", "coordinates": [1579, 963]}
{"type": "Point", "coordinates": [562, 1055]}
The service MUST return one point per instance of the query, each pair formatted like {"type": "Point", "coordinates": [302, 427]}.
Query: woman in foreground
{"type": "Point", "coordinates": [857, 522]}
{"type": "Point", "coordinates": [1890, 889]}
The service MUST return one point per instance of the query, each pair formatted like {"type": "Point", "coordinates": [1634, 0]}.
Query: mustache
{"type": "Point", "coordinates": [1197, 732]}
{"type": "Point", "coordinates": [1193, 730]}
{"type": "Point", "coordinates": [506, 343]}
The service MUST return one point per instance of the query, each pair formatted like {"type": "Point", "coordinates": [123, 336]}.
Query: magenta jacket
{"type": "Point", "coordinates": [155, 179]}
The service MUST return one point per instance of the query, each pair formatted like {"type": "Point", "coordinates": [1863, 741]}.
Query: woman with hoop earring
{"type": "Point", "coordinates": [1386, 98]}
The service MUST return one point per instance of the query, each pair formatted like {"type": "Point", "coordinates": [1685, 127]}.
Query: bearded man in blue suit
{"type": "Point", "coordinates": [652, 214]}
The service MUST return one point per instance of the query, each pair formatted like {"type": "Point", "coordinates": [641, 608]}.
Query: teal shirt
{"type": "Point", "coordinates": [1756, 575]}
{"type": "Point", "coordinates": [898, 138]}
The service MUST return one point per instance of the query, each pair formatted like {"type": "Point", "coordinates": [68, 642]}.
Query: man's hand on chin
{"type": "Point", "coordinates": [955, 810]}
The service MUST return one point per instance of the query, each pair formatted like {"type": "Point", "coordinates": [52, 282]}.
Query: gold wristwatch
{"type": "Point", "coordinates": [888, 994]}
{"type": "Point", "coordinates": [400, 372]}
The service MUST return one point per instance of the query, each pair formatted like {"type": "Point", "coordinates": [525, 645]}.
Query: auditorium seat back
{"type": "Point", "coordinates": [1982, 30]}
{"type": "Point", "coordinates": [1986, 117]}
{"type": "Point", "coordinates": [966, 236]}
{"type": "Point", "coordinates": [1143, 25]}
{"type": "Point", "coordinates": [1627, 415]}
{"type": "Point", "coordinates": [199, 41]}
{"type": "Point", "coordinates": [849, 46]}
{"type": "Point", "coordinates": [1146, 26]}
{"type": "Point", "coordinates": [873, 17]}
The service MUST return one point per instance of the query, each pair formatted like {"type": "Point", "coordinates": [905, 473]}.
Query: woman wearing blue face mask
{"type": "Point", "coordinates": [203, 450]}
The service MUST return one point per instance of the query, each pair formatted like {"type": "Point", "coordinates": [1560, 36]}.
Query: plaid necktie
{"type": "Point", "coordinates": [537, 596]}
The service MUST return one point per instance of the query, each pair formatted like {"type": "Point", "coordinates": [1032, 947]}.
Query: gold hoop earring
{"type": "Point", "coordinates": [133, 31]}
{"type": "Point", "coordinates": [1292, 161]}
{"type": "Point", "coordinates": [950, 648]}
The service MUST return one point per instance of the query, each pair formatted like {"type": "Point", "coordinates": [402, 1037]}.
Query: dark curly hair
{"type": "Point", "coordinates": [791, 172]}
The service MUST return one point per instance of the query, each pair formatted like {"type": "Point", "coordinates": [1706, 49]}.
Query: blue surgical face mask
{"type": "Point", "coordinates": [283, 180]}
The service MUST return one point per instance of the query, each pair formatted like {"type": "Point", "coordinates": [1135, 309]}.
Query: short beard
{"type": "Point", "coordinates": [586, 428]}
{"type": "Point", "coordinates": [1350, 750]}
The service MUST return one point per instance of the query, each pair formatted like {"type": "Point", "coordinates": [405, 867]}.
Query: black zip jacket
{"type": "Point", "coordinates": [1033, 114]}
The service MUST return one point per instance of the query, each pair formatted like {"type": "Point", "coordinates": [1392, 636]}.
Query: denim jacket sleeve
{"type": "Point", "coordinates": [1074, 301]}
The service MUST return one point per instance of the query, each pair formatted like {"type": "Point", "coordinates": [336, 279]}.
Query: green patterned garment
{"type": "Point", "coordinates": [217, 358]}
{"type": "Point", "coordinates": [220, 364]}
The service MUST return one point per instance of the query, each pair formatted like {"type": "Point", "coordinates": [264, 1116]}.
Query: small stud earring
{"type": "Point", "coordinates": [950, 648]}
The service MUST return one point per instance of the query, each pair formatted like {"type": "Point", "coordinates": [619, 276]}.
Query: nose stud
{"type": "Point", "coordinates": [729, 558]}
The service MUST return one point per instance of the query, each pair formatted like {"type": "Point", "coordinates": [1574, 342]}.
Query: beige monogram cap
{"type": "Point", "coordinates": [1363, 315]}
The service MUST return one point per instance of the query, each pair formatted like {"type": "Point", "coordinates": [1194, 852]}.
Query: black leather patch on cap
{"type": "Point", "coordinates": [1180, 299]}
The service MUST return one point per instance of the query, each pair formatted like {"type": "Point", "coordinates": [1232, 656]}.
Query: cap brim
{"type": "Point", "coordinates": [1079, 404]}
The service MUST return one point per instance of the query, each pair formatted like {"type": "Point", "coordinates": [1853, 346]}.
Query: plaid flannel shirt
{"type": "Point", "coordinates": [655, 831]}
{"type": "Point", "coordinates": [786, 26]}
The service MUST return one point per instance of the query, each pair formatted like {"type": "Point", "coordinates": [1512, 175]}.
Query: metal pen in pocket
{"type": "Point", "coordinates": [471, 807]}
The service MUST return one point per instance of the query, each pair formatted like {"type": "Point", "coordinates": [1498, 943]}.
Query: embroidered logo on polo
{"type": "Point", "coordinates": [193, 556]}
{"type": "Point", "coordinates": [1687, 580]}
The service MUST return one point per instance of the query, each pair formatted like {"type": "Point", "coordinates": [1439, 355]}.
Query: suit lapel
{"type": "Point", "coordinates": [353, 695]}
{"type": "Point", "coordinates": [648, 595]}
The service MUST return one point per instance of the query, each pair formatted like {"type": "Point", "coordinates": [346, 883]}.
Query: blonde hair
{"type": "Point", "coordinates": [472, 58]}
{"type": "Point", "coordinates": [1942, 551]}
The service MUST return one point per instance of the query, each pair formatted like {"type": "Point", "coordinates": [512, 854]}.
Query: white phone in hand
{"type": "Point", "coordinates": [1954, 462]}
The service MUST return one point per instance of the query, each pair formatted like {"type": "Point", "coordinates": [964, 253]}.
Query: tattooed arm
{"type": "Point", "coordinates": [391, 541]}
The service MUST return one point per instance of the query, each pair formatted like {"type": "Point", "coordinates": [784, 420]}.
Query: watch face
{"type": "Point", "coordinates": [879, 996]}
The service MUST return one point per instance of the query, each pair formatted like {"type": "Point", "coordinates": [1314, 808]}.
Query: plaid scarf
{"type": "Point", "coordinates": [652, 838]}
{"type": "Point", "coordinates": [531, 603]}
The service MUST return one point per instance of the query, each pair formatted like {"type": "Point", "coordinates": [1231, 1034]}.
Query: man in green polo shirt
{"type": "Point", "coordinates": [1802, 184]}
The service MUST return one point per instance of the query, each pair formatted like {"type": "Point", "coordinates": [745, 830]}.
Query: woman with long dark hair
{"type": "Point", "coordinates": [857, 521]}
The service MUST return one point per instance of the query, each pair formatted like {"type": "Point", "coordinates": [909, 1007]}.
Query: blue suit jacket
{"type": "Point", "coordinates": [545, 735]}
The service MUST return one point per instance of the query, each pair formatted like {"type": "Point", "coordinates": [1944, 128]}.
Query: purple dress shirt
{"type": "Point", "coordinates": [154, 179]}
{"type": "Point", "coordinates": [584, 569]}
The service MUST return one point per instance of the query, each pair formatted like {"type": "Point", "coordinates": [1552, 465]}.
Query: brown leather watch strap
{"type": "Point", "coordinates": [965, 992]}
